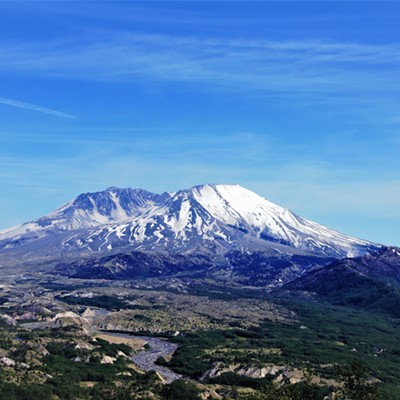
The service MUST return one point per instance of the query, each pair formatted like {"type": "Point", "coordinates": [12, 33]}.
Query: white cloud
{"type": "Point", "coordinates": [34, 107]}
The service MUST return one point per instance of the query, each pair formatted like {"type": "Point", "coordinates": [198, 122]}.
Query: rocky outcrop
{"type": "Point", "coordinates": [7, 362]}
{"type": "Point", "coordinates": [88, 313]}
{"type": "Point", "coordinates": [251, 372]}
{"type": "Point", "coordinates": [108, 360]}
{"type": "Point", "coordinates": [282, 373]}
{"type": "Point", "coordinates": [8, 320]}
{"type": "Point", "coordinates": [69, 318]}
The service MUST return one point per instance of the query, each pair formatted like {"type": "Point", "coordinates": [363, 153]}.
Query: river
{"type": "Point", "coordinates": [146, 359]}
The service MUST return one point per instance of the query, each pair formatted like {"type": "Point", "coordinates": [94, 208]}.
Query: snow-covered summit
{"type": "Point", "coordinates": [214, 217]}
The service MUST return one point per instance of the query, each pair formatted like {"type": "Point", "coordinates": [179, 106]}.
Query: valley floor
{"type": "Point", "coordinates": [71, 339]}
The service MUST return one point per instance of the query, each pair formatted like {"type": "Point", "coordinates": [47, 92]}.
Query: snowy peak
{"type": "Point", "coordinates": [89, 210]}
{"type": "Point", "coordinates": [217, 218]}
{"type": "Point", "coordinates": [235, 205]}
{"type": "Point", "coordinates": [113, 204]}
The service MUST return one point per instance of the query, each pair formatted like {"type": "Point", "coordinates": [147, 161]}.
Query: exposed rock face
{"type": "Point", "coordinates": [108, 360]}
{"type": "Point", "coordinates": [7, 362]}
{"type": "Point", "coordinates": [88, 313]}
{"type": "Point", "coordinates": [281, 373]}
{"type": "Point", "coordinates": [248, 371]}
{"type": "Point", "coordinates": [9, 320]}
{"type": "Point", "coordinates": [69, 318]}
{"type": "Point", "coordinates": [29, 316]}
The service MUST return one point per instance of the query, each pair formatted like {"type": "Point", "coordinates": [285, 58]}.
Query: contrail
{"type": "Point", "coordinates": [34, 107]}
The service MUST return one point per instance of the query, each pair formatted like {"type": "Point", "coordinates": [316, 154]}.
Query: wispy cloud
{"type": "Point", "coordinates": [34, 107]}
{"type": "Point", "coordinates": [308, 66]}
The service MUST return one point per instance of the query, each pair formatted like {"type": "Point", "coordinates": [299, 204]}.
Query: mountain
{"type": "Point", "coordinates": [217, 217]}
{"type": "Point", "coordinates": [371, 281]}
{"type": "Point", "coordinates": [214, 219]}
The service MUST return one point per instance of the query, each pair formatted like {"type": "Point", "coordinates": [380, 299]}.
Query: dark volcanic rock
{"type": "Point", "coordinates": [134, 265]}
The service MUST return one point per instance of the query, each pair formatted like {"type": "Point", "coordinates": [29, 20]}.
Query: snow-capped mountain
{"type": "Point", "coordinates": [213, 218]}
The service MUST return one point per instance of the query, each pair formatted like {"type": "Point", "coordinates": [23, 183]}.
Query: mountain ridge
{"type": "Point", "coordinates": [371, 281]}
{"type": "Point", "coordinates": [217, 218]}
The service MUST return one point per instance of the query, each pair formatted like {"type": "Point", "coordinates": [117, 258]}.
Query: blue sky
{"type": "Point", "coordinates": [298, 101]}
